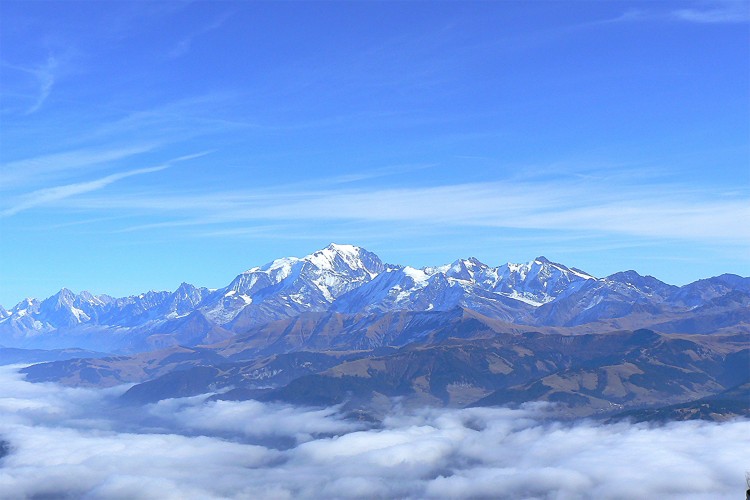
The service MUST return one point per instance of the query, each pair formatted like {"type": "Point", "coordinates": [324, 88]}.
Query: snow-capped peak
{"type": "Point", "coordinates": [292, 284]}
{"type": "Point", "coordinates": [89, 298]}
{"type": "Point", "coordinates": [542, 261]}
{"type": "Point", "coordinates": [282, 263]}
{"type": "Point", "coordinates": [25, 304]}
{"type": "Point", "coordinates": [64, 297]}
{"type": "Point", "coordinates": [465, 269]}
{"type": "Point", "coordinates": [418, 275]}
{"type": "Point", "coordinates": [340, 249]}
{"type": "Point", "coordinates": [539, 280]}
{"type": "Point", "coordinates": [338, 258]}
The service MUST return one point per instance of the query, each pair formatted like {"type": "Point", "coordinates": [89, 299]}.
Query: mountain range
{"type": "Point", "coordinates": [340, 326]}
{"type": "Point", "coordinates": [351, 281]}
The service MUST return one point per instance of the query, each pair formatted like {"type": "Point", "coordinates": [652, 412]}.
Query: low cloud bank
{"type": "Point", "coordinates": [78, 443]}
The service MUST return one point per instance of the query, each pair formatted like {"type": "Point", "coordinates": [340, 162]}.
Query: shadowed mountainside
{"type": "Point", "coordinates": [586, 373]}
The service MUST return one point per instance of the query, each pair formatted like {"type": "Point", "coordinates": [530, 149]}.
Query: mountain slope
{"type": "Point", "coordinates": [583, 374]}
{"type": "Point", "coordinates": [726, 405]}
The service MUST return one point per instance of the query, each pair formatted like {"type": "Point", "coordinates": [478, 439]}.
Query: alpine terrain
{"type": "Point", "coordinates": [340, 326]}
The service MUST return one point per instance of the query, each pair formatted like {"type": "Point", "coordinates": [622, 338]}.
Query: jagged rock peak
{"type": "Point", "coordinates": [545, 262]}
{"type": "Point", "coordinates": [185, 288]}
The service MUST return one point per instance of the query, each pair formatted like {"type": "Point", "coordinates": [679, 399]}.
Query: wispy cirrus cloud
{"type": "Point", "coordinates": [578, 205]}
{"type": "Point", "coordinates": [715, 12]}
{"type": "Point", "coordinates": [45, 75]}
{"type": "Point", "coordinates": [184, 45]}
{"type": "Point", "coordinates": [38, 82]}
{"type": "Point", "coordinates": [47, 196]}
{"type": "Point", "coordinates": [51, 166]}
{"type": "Point", "coordinates": [721, 12]}
{"type": "Point", "coordinates": [56, 194]}
{"type": "Point", "coordinates": [174, 121]}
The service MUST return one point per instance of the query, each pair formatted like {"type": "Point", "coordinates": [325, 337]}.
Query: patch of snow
{"type": "Point", "coordinates": [581, 275]}
{"type": "Point", "coordinates": [594, 302]}
{"type": "Point", "coordinates": [78, 313]}
{"type": "Point", "coordinates": [522, 298]}
{"type": "Point", "coordinates": [298, 298]}
{"type": "Point", "coordinates": [436, 269]}
{"type": "Point", "coordinates": [418, 275]}
{"type": "Point", "coordinates": [326, 259]}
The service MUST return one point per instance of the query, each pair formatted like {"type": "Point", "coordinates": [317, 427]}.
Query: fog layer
{"type": "Point", "coordinates": [80, 443]}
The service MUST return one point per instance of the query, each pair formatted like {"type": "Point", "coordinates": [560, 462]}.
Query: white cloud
{"type": "Point", "coordinates": [184, 45]}
{"type": "Point", "coordinates": [45, 75]}
{"type": "Point", "coordinates": [700, 12]}
{"type": "Point", "coordinates": [577, 205]}
{"type": "Point", "coordinates": [76, 442]}
{"type": "Point", "coordinates": [47, 167]}
{"type": "Point", "coordinates": [252, 418]}
{"type": "Point", "coordinates": [717, 12]}
{"type": "Point", "coordinates": [51, 195]}
{"type": "Point", "coordinates": [56, 194]}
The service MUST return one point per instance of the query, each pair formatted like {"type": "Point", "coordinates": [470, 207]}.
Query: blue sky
{"type": "Point", "coordinates": [144, 144]}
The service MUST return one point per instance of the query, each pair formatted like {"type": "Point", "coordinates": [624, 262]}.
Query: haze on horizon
{"type": "Point", "coordinates": [189, 141]}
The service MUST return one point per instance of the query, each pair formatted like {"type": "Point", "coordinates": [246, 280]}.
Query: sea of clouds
{"type": "Point", "coordinates": [66, 442]}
